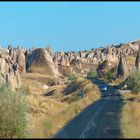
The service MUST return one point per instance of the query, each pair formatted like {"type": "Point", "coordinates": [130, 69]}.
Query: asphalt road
{"type": "Point", "coordinates": [99, 120]}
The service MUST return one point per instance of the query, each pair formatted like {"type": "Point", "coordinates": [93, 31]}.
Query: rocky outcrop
{"type": "Point", "coordinates": [80, 61]}
{"type": "Point", "coordinates": [9, 71]}
{"type": "Point", "coordinates": [123, 69]}
{"type": "Point", "coordinates": [102, 69]}
{"type": "Point", "coordinates": [18, 56]}
{"type": "Point", "coordinates": [95, 57]}
{"type": "Point", "coordinates": [41, 61]}
{"type": "Point", "coordinates": [21, 60]}
{"type": "Point", "coordinates": [137, 62]}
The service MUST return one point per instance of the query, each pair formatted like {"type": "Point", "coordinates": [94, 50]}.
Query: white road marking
{"type": "Point", "coordinates": [88, 128]}
{"type": "Point", "coordinates": [92, 120]}
{"type": "Point", "coordinates": [93, 124]}
{"type": "Point", "coordinates": [83, 136]}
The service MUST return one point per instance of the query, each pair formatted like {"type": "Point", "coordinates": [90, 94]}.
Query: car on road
{"type": "Point", "coordinates": [103, 87]}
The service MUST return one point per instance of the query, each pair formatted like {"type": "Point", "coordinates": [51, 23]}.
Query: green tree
{"type": "Point", "coordinates": [109, 75]}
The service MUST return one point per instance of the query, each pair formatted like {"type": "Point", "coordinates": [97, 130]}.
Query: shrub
{"type": "Point", "coordinates": [74, 98]}
{"type": "Point", "coordinates": [75, 84]}
{"type": "Point", "coordinates": [92, 73]}
{"type": "Point", "coordinates": [13, 109]}
{"type": "Point", "coordinates": [110, 75]}
{"type": "Point", "coordinates": [72, 77]}
{"type": "Point", "coordinates": [77, 109]}
{"type": "Point", "coordinates": [133, 82]}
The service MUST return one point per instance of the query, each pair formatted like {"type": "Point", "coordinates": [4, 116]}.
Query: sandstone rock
{"type": "Point", "coordinates": [21, 61]}
{"type": "Point", "coordinates": [8, 74]}
{"type": "Point", "coordinates": [123, 69]}
{"type": "Point", "coordinates": [14, 80]}
{"type": "Point", "coordinates": [18, 56]}
{"type": "Point", "coordinates": [77, 60]}
{"type": "Point", "coordinates": [102, 68]}
{"type": "Point", "coordinates": [49, 50]}
{"type": "Point", "coordinates": [137, 61]}
{"type": "Point", "coordinates": [41, 61]}
{"type": "Point", "coordinates": [45, 86]}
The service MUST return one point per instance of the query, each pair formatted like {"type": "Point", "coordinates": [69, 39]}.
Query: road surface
{"type": "Point", "coordinates": [99, 120]}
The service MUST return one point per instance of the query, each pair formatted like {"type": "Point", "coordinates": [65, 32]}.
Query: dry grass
{"type": "Point", "coordinates": [34, 86]}
{"type": "Point", "coordinates": [130, 121]}
{"type": "Point", "coordinates": [35, 82]}
{"type": "Point", "coordinates": [65, 71]}
{"type": "Point", "coordinates": [37, 77]}
{"type": "Point", "coordinates": [74, 88]}
{"type": "Point", "coordinates": [117, 82]}
{"type": "Point", "coordinates": [42, 70]}
{"type": "Point", "coordinates": [50, 113]}
{"type": "Point", "coordinates": [42, 108]}
{"type": "Point", "coordinates": [130, 60]}
{"type": "Point", "coordinates": [58, 120]}
{"type": "Point", "coordinates": [130, 96]}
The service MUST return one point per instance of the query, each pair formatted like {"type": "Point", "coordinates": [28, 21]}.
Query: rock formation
{"type": "Point", "coordinates": [18, 56]}
{"type": "Point", "coordinates": [96, 56]}
{"type": "Point", "coordinates": [9, 71]}
{"type": "Point", "coordinates": [102, 68]}
{"type": "Point", "coordinates": [137, 61]}
{"type": "Point", "coordinates": [41, 61]}
{"type": "Point", "coordinates": [21, 60]}
{"type": "Point", "coordinates": [122, 70]}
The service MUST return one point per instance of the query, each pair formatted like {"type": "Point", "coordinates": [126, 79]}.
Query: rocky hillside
{"type": "Point", "coordinates": [110, 53]}
{"type": "Point", "coordinates": [62, 64]}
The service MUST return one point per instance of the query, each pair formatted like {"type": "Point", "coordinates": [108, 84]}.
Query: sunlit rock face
{"type": "Point", "coordinates": [9, 71]}
{"type": "Point", "coordinates": [123, 69]}
{"type": "Point", "coordinates": [40, 60]}
{"type": "Point", "coordinates": [18, 56]}
{"type": "Point", "coordinates": [96, 56]}
{"type": "Point", "coordinates": [137, 61]}
{"type": "Point", "coordinates": [43, 60]}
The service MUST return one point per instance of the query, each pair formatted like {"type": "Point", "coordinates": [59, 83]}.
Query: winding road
{"type": "Point", "coordinates": [99, 120]}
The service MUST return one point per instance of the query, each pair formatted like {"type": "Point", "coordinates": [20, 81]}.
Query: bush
{"type": "Point", "coordinates": [13, 109]}
{"type": "Point", "coordinates": [133, 82]}
{"type": "Point", "coordinates": [74, 85]}
{"type": "Point", "coordinates": [74, 98]}
{"type": "Point", "coordinates": [77, 109]}
{"type": "Point", "coordinates": [110, 75]}
{"type": "Point", "coordinates": [92, 73]}
{"type": "Point", "coordinates": [72, 77]}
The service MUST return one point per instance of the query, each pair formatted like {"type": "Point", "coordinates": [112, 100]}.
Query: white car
{"type": "Point", "coordinates": [103, 87]}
